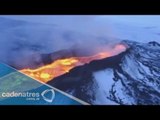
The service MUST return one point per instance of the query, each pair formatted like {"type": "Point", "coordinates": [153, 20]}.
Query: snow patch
{"type": "Point", "coordinates": [121, 94]}
{"type": "Point", "coordinates": [104, 80]}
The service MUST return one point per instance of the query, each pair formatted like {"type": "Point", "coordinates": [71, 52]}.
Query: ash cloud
{"type": "Point", "coordinates": [22, 41]}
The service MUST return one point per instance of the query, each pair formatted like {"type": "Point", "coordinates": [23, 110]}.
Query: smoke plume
{"type": "Point", "coordinates": [22, 42]}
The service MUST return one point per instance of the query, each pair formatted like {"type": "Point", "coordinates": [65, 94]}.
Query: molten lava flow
{"type": "Point", "coordinates": [61, 66]}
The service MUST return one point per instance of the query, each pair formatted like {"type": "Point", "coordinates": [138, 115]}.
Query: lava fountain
{"type": "Point", "coordinates": [62, 66]}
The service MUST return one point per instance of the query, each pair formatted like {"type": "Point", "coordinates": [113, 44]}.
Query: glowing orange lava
{"type": "Point", "coordinates": [62, 66]}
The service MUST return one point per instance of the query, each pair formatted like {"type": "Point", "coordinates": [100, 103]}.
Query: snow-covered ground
{"type": "Point", "coordinates": [104, 80]}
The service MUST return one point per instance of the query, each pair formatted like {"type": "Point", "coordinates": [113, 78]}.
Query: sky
{"type": "Point", "coordinates": [123, 27]}
{"type": "Point", "coordinates": [101, 25]}
{"type": "Point", "coordinates": [138, 20]}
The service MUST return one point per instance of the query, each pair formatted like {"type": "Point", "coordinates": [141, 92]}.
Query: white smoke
{"type": "Point", "coordinates": [24, 37]}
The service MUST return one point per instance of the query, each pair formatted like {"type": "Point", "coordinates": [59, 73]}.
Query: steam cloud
{"type": "Point", "coordinates": [22, 42]}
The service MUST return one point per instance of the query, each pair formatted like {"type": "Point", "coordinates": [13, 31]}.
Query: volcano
{"type": "Point", "coordinates": [88, 63]}
{"type": "Point", "coordinates": [129, 78]}
{"type": "Point", "coordinates": [61, 62]}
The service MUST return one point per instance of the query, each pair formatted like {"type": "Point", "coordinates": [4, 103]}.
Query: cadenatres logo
{"type": "Point", "coordinates": [48, 95]}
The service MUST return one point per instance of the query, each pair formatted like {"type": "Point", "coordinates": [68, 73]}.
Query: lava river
{"type": "Point", "coordinates": [62, 66]}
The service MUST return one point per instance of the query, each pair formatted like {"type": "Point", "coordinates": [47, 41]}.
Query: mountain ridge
{"type": "Point", "coordinates": [132, 77]}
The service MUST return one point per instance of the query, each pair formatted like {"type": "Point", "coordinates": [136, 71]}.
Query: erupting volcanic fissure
{"type": "Point", "coordinates": [62, 66]}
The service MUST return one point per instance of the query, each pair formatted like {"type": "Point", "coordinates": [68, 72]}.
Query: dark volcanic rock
{"type": "Point", "coordinates": [132, 77]}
